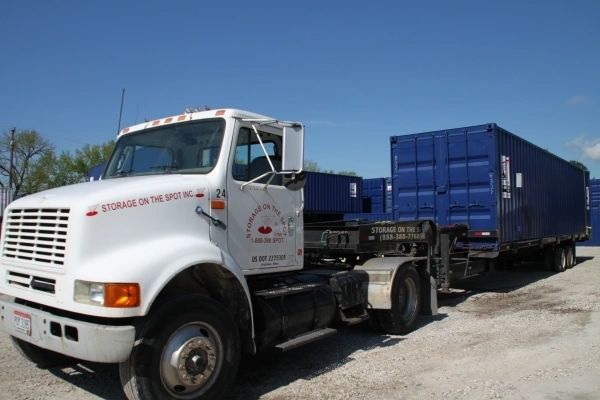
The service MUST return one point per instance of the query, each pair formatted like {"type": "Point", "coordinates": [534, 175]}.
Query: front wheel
{"type": "Point", "coordinates": [189, 349]}
{"type": "Point", "coordinates": [406, 302]}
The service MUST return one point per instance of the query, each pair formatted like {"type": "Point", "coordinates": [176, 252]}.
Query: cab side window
{"type": "Point", "coordinates": [250, 160]}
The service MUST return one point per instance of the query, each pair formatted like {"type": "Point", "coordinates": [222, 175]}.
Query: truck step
{"type": "Point", "coordinates": [305, 338]}
{"type": "Point", "coordinates": [354, 320]}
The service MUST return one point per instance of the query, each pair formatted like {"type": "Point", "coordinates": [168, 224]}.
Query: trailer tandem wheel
{"type": "Point", "coordinates": [560, 259]}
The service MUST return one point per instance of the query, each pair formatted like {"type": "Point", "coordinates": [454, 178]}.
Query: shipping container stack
{"type": "Point", "coordinates": [376, 200]}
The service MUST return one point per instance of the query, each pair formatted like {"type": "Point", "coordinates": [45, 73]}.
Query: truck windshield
{"type": "Point", "coordinates": [191, 147]}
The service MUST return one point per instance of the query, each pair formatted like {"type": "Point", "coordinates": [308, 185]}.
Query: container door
{"type": "Point", "coordinates": [471, 196]}
{"type": "Point", "coordinates": [446, 176]}
{"type": "Point", "coordinates": [412, 168]}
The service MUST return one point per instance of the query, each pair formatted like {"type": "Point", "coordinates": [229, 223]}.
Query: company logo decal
{"type": "Point", "coordinates": [265, 230]}
{"type": "Point", "coordinates": [119, 205]}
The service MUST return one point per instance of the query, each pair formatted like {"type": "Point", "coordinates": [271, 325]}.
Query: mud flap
{"type": "Point", "coordinates": [429, 304]}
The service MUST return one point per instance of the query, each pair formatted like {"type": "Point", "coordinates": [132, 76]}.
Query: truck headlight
{"type": "Point", "coordinates": [107, 294]}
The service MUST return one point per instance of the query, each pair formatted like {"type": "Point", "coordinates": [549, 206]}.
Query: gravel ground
{"type": "Point", "coordinates": [518, 334]}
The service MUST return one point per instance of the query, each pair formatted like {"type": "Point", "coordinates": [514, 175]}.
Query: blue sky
{"type": "Point", "coordinates": [354, 72]}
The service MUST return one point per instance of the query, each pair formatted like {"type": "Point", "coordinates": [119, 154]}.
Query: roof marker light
{"type": "Point", "coordinates": [220, 112]}
{"type": "Point", "coordinates": [167, 120]}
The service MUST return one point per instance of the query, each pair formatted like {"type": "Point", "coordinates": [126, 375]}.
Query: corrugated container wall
{"type": "Point", "coordinates": [505, 188]}
{"type": "Point", "coordinates": [332, 194]}
{"type": "Point", "coordinates": [369, 216]}
{"type": "Point", "coordinates": [373, 194]}
{"type": "Point", "coordinates": [594, 213]}
{"type": "Point", "coordinates": [377, 195]}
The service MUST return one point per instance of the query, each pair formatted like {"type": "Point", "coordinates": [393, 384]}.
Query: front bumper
{"type": "Point", "coordinates": [81, 340]}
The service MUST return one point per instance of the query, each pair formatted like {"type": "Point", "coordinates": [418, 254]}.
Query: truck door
{"type": "Point", "coordinates": [264, 217]}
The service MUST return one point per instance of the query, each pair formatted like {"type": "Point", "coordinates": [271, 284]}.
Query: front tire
{"type": "Point", "coordinates": [406, 303]}
{"type": "Point", "coordinates": [188, 349]}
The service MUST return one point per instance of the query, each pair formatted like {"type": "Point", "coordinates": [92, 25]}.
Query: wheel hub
{"type": "Point", "coordinates": [190, 359]}
{"type": "Point", "coordinates": [196, 362]}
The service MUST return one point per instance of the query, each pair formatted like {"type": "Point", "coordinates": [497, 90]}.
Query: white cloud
{"type": "Point", "coordinates": [590, 148]}
{"type": "Point", "coordinates": [577, 100]}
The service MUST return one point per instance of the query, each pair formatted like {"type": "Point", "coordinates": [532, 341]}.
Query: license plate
{"type": "Point", "coordinates": [22, 322]}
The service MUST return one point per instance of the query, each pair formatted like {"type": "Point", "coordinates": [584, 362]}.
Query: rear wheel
{"type": "Point", "coordinates": [573, 255]}
{"type": "Point", "coordinates": [406, 302]}
{"type": "Point", "coordinates": [570, 259]}
{"type": "Point", "coordinates": [42, 358]}
{"type": "Point", "coordinates": [189, 349]}
{"type": "Point", "coordinates": [560, 259]}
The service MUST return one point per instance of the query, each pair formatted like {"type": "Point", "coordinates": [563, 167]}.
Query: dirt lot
{"type": "Point", "coordinates": [518, 334]}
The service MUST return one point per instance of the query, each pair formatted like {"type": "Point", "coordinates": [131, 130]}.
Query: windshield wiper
{"type": "Point", "coordinates": [164, 168]}
{"type": "Point", "coordinates": [121, 174]}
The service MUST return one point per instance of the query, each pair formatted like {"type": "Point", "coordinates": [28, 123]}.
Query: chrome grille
{"type": "Point", "coordinates": [38, 235]}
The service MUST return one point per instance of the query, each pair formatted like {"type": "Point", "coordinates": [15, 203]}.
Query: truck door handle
{"type": "Point", "coordinates": [215, 221]}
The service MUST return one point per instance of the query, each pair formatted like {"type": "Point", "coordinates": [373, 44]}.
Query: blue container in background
{"type": "Point", "coordinates": [506, 189]}
{"type": "Point", "coordinates": [95, 173]}
{"type": "Point", "coordinates": [373, 194]}
{"type": "Point", "coordinates": [594, 213]}
{"type": "Point", "coordinates": [332, 194]}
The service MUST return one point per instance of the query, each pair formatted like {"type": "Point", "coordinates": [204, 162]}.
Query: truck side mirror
{"type": "Point", "coordinates": [293, 148]}
{"type": "Point", "coordinates": [294, 182]}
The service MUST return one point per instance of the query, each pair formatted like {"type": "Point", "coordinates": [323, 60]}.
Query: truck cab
{"type": "Point", "coordinates": [188, 252]}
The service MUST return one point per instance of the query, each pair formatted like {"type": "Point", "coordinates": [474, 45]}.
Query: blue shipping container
{"type": "Point", "coordinates": [369, 216]}
{"type": "Point", "coordinates": [594, 213]}
{"type": "Point", "coordinates": [95, 173]}
{"type": "Point", "coordinates": [332, 194]}
{"type": "Point", "coordinates": [373, 193]}
{"type": "Point", "coordinates": [505, 188]}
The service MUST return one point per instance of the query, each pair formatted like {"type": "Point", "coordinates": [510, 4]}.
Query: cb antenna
{"type": "Point", "coordinates": [121, 110]}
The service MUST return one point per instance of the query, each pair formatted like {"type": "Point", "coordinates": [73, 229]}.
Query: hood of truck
{"type": "Point", "coordinates": [100, 231]}
{"type": "Point", "coordinates": [108, 189]}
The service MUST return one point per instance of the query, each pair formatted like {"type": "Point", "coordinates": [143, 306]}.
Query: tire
{"type": "Point", "coordinates": [406, 303]}
{"type": "Point", "coordinates": [199, 335]}
{"type": "Point", "coordinates": [560, 259]}
{"type": "Point", "coordinates": [42, 358]}
{"type": "Point", "coordinates": [570, 259]}
{"type": "Point", "coordinates": [574, 252]}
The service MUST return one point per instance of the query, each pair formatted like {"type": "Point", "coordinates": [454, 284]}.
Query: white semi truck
{"type": "Point", "coordinates": [191, 251]}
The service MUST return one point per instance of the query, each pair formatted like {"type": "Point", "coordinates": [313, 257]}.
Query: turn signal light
{"type": "Point", "coordinates": [121, 295]}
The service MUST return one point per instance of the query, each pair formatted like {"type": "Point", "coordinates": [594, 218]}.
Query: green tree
{"type": "Point", "coordinates": [312, 166]}
{"type": "Point", "coordinates": [29, 147]}
{"type": "Point", "coordinates": [579, 165]}
{"type": "Point", "coordinates": [54, 170]}
{"type": "Point", "coordinates": [89, 156]}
